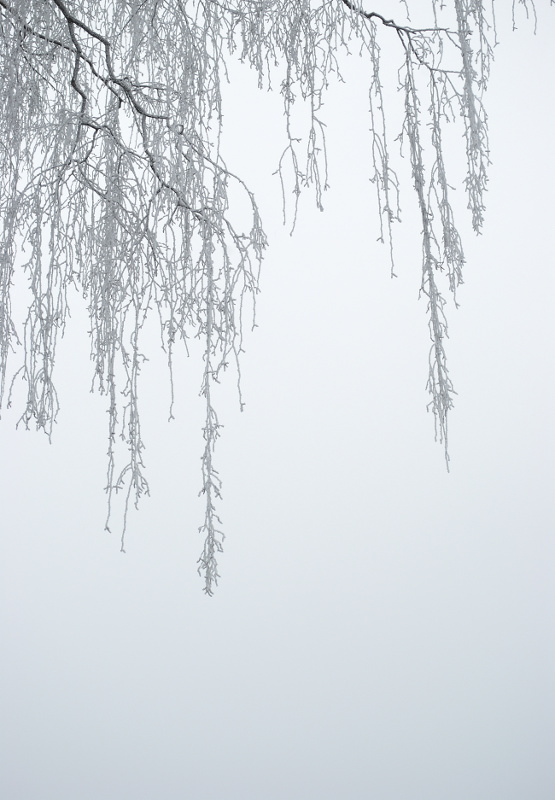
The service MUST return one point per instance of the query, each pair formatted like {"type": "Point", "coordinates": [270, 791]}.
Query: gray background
{"type": "Point", "coordinates": [382, 629]}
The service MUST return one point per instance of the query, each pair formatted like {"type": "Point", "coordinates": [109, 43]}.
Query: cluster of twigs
{"type": "Point", "coordinates": [112, 180]}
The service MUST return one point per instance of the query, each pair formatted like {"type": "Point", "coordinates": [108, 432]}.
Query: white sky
{"type": "Point", "coordinates": [382, 629]}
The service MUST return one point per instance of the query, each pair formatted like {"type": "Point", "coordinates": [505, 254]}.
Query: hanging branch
{"type": "Point", "coordinates": [112, 182]}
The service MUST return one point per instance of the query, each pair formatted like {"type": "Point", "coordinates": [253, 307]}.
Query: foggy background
{"type": "Point", "coordinates": [382, 629]}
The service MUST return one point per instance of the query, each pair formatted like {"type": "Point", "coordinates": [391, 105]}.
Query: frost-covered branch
{"type": "Point", "coordinates": [113, 182]}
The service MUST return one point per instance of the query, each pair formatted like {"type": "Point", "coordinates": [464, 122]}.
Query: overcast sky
{"type": "Point", "coordinates": [382, 629]}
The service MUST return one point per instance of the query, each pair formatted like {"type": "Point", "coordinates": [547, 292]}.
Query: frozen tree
{"type": "Point", "coordinates": [114, 183]}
